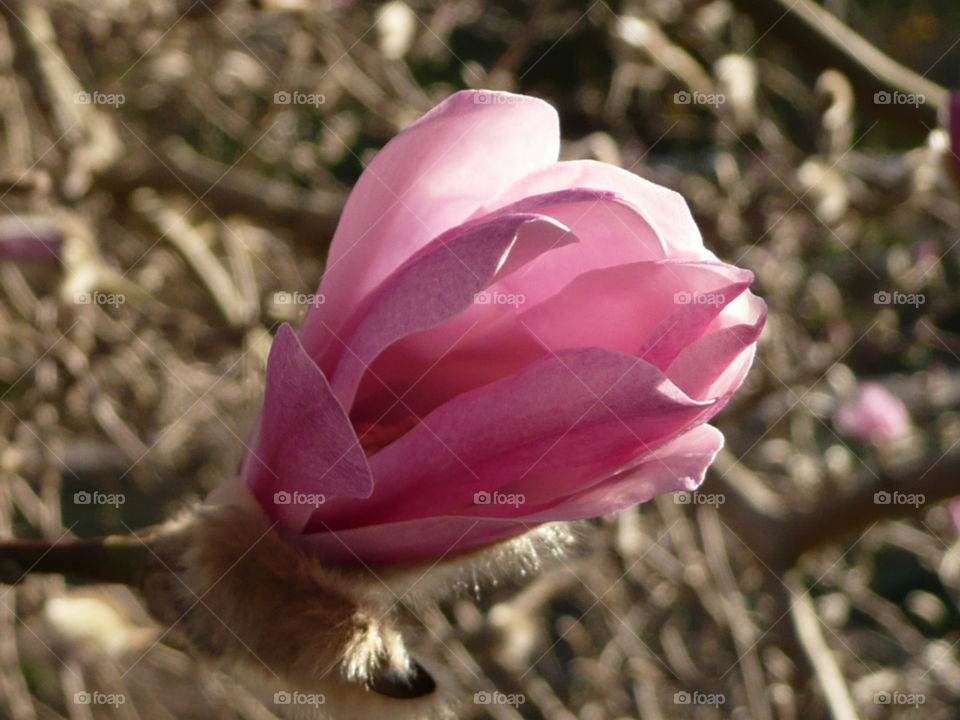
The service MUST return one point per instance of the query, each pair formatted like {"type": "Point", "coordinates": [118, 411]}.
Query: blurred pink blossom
{"type": "Point", "coordinates": [24, 239]}
{"type": "Point", "coordinates": [953, 507]}
{"type": "Point", "coordinates": [505, 340]}
{"type": "Point", "coordinates": [873, 415]}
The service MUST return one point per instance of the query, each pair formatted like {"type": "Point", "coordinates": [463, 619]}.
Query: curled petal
{"type": "Point", "coordinates": [429, 178]}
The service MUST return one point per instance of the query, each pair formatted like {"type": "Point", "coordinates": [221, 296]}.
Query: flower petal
{"type": "Point", "coordinates": [567, 418]}
{"type": "Point", "coordinates": [715, 365]}
{"type": "Point", "coordinates": [429, 178]}
{"type": "Point", "coordinates": [612, 232]}
{"type": "Point", "coordinates": [679, 465]}
{"type": "Point", "coordinates": [649, 309]}
{"type": "Point", "coordinates": [665, 210]}
{"type": "Point", "coordinates": [304, 441]}
{"type": "Point", "coordinates": [439, 283]}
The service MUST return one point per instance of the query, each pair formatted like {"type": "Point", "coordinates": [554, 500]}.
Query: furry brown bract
{"type": "Point", "coordinates": [324, 641]}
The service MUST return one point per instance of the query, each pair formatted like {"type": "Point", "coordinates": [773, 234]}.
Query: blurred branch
{"type": "Point", "coordinates": [85, 129]}
{"type": "Point", "coordinates": [193, 247]}
{"type": "Point", "coordinates": [823, 42]}
{"type": "Point", "coordinates": [114, 559]}
{"type": "Point", "coordinates": [815, 647]}
{"type": "Point", "coordinates": [780, 542]}
{"type": "Point", "coordinates": [310, 215]}
{"type": "Point", "coordinates": [97, 150]}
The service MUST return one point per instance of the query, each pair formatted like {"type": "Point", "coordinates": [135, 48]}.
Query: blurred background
{"type": "Point", "coordinates": [170, 176]}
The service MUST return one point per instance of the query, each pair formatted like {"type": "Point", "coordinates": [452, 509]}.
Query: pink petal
{"type": "Point", "coordinates": [715, 365]}
{"type": "Point", "coordinates": [612, 233]}
{"type": "Point", "coordinates": [663, 209]}
{"type": "Point", "coordinates": [425, 538]}
{"type": "Point", "coordinates": [638, 308]}
{"type": "Point", "coordinates": [427, 369]}
{"type": "Point", "coordinates": [630, 308]}
{"type": "Point", "coordinates": [440, 282]}
{"type": "Point", "coordinates": [562, 420]}
{"type": "Point", "coordinates": [304, 441]}
{"type": "Point", "coordinates": [678, 465]}
{"type": "Point", "coordinates": [484, 343]}
{"type": "Point", "coordinates": [429, 178]}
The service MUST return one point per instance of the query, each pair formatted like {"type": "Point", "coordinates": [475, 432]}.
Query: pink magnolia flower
{"type": "Point", "coordinates": [873, 415]}
{"type": "Point", "coordinates": [505, 340]}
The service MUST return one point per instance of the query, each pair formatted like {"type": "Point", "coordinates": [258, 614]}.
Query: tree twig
{"type": "Point", "coordinates": [113, 559]}
{"type": "Point", "coordinates": [822, 42]}
{"type": "Point", "coordinates": [310, 215]}
{"type": "Point", "coordinates": [780, 542]}
{"type": "Point", "coordinates": [828, 672]}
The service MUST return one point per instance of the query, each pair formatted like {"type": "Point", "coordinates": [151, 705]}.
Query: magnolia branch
{"type": "Point", "coordinates": [780, 539]}
{"type": "Point", "coordinates": [114, 559]}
